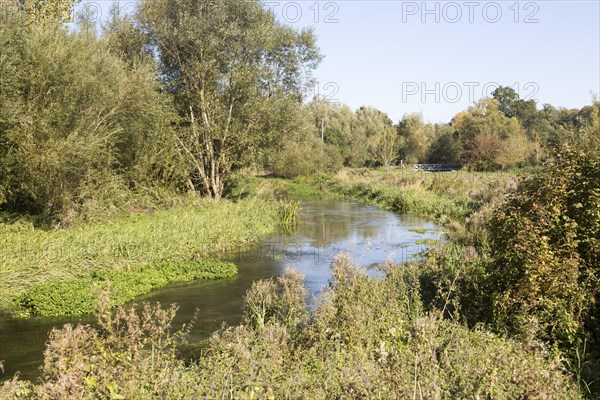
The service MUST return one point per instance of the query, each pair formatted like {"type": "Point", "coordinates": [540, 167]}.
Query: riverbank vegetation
{"type": "Point", "coordinates": [388, 347]}
{"type": "Point", "coordinates": [38, 263]}
{"type": "Point", "coordinates": [504, 312]}
{"type": "Point", "coordinates": [93, 121]}
{"type": "Point", "coordinates": [450, 197]}
{"type": "Point", "coordinates": [132, 155]}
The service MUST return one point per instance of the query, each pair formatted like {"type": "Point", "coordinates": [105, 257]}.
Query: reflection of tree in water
{"type": "Point", "coordinates": [342, 223]}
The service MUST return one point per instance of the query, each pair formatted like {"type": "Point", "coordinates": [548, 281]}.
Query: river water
{"type": "Point", "coordinates": [369, 234]}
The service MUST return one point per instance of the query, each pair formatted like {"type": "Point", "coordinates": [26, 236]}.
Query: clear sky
{"type": "Point", "coordinates": [437, 57]}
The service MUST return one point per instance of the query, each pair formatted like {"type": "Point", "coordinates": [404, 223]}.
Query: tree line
{"type": "Point", "coordinates": [498, 132]}
{"type": "Point", "coordinates": [180, 94]}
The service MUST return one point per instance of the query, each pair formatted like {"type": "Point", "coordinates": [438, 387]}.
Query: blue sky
{"type": "Point", "coordinates": [395, 56]}
{"type": "Point", "coordinates": [437, 57]}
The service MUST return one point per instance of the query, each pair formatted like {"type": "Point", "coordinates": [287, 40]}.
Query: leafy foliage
{"type": "Point", "coordinates": [445, 148]}
{"type": "Point", "coordinates": [417, 136]}
{"type": "Point", "coordinates": [76, 117]}
{"type": "Point", "coordinates": [546, 243]}
{"type": "Point", "coordinates": [42, 13]}
{"type": "Point", "coordinates": [491, 139]}
{"type": "Point", "coordinates": [79, 296]}
{"type": "Point", "coordinates": [232, 70]}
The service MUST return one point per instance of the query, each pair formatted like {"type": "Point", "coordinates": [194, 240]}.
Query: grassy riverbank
{"type": "Point", "coordinates": [498, 317]}
{"type": "Point", "coordinates": [443, 196]}
{"type": "Point", "coordinates": [142, 248]}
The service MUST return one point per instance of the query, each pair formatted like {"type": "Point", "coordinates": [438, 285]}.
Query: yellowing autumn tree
{"type": "Point", "coordinates": [491, 139]}
{"type": "Point", "coordinates": [42, 12]}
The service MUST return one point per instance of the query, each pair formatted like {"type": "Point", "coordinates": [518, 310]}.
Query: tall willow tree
{"type": "Point", "coordinates": [76, 122]}
{"type": "Point", "coordinates": [232, 71]}
{"type": "Point", "coordinates": [371, 138]}
{"type": "Point", "coordinates": [417, 137]}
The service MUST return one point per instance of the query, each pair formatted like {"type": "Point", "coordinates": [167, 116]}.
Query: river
{"type": "Point", "coordinates": [369, 234]}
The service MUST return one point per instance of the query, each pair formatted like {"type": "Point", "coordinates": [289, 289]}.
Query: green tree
{"type": "Point", "coordinates": [386, 146]}
{"type": "Point", "coordinates": [231, 69]}
{"type": "Point", "coordinates": [321, 111]}
{"type": "Point", "coordinates": [13, 42]}
{"type": "Point", "coordinates": [303, 152]}
{"type": "Point", "coordinates": [336, 120]}
{"type": "Point", "coordinates": [506, 98]}
{"type": "Point", "coordinates": [485, 131]}
{"type": "Point", "coordinates": [446, 148]}
{"type": "Point", "coordinates": [514, 150]}
{"type": "Point", "coordinates": [417, 137]}
{"type": "Point", "coordinates": [512, 106]}
{"type": "Point", "coordinates": [370, 134]}
{"type": "Point", "coordinates": [339, 130]}
{"type": "Point", "coordinates": [484, 118]}
{"type": "Point", "coordinates": [75, 122]}
{"type": "Point", "coordinates": [125, 38]}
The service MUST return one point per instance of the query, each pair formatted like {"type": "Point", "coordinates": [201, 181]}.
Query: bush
{"type": "Point", "coordinates": [366, 338]}
{"type": "Point", "coordinates": [74, 117]}
{"type": "Point", "coordinates": [132, 354]}
{"type": "Point", "coordinates": [305, 158]}
{"type": "Point", "coordinates": [545, 238]}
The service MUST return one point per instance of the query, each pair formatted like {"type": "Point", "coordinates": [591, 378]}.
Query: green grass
{"type": "Point", "coordinates": [444, 196]}
{"type": "Point", "coordinates": [32, 257]}
{"type": "Point", "coordinates": [404, 200]}
{"type": "Point", "coordinates": [300, 188]}
{"type": "Point", "coordinates": [288, 212]}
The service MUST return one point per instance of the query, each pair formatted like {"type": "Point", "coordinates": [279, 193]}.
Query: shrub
{"type": "Point", "coordinates": [545, 239]}
{"type": "Point", "coordinates": [281, 300]}
{"type": "Point", "coordinates": [371, 338]}
{"type": "Point", "coordinates": [482, 151]}
{"type": "Point", "coordinates": [366, 338]}
{"type": "Point", "coordinates": [132, 354]}
{"type": "Point", "coordinates": [305, 158]}
{"type": "Point", "coordinates": [76, 122]}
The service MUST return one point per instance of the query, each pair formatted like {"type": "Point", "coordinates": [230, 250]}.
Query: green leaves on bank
{"type": "Point", "coordinates": [80, 295]}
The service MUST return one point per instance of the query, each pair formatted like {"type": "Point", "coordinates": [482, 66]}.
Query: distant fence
{"type": "Point", "coordinates": [437, 167]}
